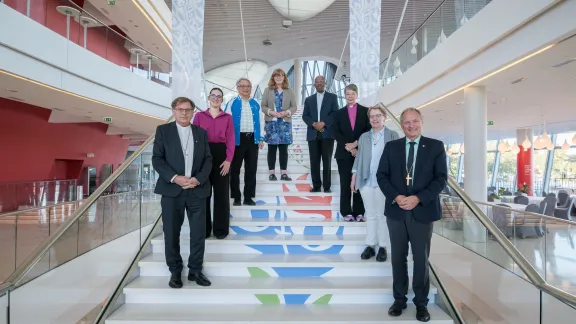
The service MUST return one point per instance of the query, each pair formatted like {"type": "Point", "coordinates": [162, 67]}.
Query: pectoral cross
{"type": "Point", "coordinates": [408, 178]}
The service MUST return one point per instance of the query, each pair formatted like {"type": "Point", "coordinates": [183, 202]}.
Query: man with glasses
{"type": "Point", "coordinates": [318, 110]}
{"type": "Point", "coordinates": [181, 156]}
{"type": "Point", "coordinates": [248, 125]}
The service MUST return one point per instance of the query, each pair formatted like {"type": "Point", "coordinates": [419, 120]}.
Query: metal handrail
{"type": "Point", "coordinates": [493, 205]}
{"type": "Point", "coordinates": [12, 281]}
{"type": "Point", "coordinates": [510, 249]}
{"type": "Point", "coordinates": [452, 309]}
{"type": "Point", "coordinates": [65, 203]}
{"type": "Point", "coordinates": [16, 212]}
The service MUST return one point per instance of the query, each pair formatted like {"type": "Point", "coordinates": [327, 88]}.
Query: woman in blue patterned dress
{"type": "Point", "coordinates": [278, 105]}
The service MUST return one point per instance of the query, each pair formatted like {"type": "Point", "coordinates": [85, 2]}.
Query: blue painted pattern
{"type": "Point", "coordinates": [301, 271]}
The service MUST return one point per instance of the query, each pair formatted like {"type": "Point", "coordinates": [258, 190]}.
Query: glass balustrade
{"type": "Point", "coordinates": [502, 293]}
{"type": "Point", "coordinates": [443, 22]}
{"type": "Point", "coordinates": [82, 28]}
{"type": "Point", "coordinates": [118, 214]}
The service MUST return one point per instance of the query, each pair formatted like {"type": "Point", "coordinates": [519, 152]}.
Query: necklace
{"type": "Point", "coordinates": [408, 177]}
{"type": "Point", "coordinates": [185, 148]}
{"type": "Point", "coordinates": [374, 141]}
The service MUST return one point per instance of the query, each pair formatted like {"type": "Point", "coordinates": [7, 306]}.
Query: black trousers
{"type": "Point", "coordinates": [419, 235]}
{"type": "Point", "coordinates": [247, 153]}
{"type": "Point", "coordinates": [346, 196]}
{"type": "Point", "coordinates": [272, 148]}
{"type": "Point", "coordinates": [220, 222]}
{"type": "Point", "coordinates": [172, 220]}
{"type": "Point", "coordinates": [321, 149]}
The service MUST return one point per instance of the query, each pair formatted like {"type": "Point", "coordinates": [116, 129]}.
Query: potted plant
{"type": "Point", "coordinates": [525, 190]}
{"type": "Point", "coordinates": [498, 196]}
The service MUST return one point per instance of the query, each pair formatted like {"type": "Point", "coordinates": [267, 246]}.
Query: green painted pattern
{"type": "Point", "coordinates": [257, 272]}
{"type": "Point", "coordinates": [324, 300]}
{"type": "Point", "coordinates": [268, 299]}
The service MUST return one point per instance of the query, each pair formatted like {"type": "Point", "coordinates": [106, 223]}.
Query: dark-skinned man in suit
{"type": "Point", "coordinates": [181, 156]}
{"type": "Point", "coordinates": [412, 174]}
{"type": "Point", "coordinates": [318, 110]}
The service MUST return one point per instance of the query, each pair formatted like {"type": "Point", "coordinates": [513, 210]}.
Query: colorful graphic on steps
{"type": "Point", "coordinates": [294, 299]}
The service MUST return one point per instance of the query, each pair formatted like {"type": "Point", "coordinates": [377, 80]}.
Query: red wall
{"type": "Point", "coordinates": [101, 40]}
{"type": "Point", "coordinates": [29, 144]}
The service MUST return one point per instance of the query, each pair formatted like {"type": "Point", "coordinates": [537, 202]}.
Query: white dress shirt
{"type": "Point", "coordinates": [319, 98]}
{"type": "Point", "coordinates": [187, 144]}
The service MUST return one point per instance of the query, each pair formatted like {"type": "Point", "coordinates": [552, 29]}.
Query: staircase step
{"type": "Point", "coordinates": [277, 265]}
{"type": "Point", "coordinates": [291, 226]}
{"type": "Point", "coordinates": [271, 290]}
{"type": "Point", "coordinates": [275, 244]}
{"type": "Point", "coordinates": [269, 314]}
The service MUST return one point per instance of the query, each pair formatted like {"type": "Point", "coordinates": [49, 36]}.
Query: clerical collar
{"type": "Point", "coordinates": [182, 127]}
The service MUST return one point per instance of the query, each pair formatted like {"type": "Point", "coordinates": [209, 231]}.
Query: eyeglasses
{"type": "Point", "coordinates": [244, 86]}
{"type": "Point", "coordinates": [184, 111]}
{"type": "Point", "coordinates": [376, 116]}
{"type": "Point", "coordinates": [215, 96]}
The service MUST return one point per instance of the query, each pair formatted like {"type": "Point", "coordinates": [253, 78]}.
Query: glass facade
{"type": "Point", "coordinates": [553, 170]}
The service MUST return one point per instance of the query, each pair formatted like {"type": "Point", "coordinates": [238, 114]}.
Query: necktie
{"type": "Point", "coordinates": [409, 166]}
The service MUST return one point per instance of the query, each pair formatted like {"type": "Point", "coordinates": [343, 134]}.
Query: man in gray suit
{"type": "Point", "coordinates": [318, 109]}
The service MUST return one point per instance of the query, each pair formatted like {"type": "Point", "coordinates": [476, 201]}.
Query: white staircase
{"type": "Point", "coordinates": [289, 259]}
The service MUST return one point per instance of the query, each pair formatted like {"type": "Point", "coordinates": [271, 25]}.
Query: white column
{"type": "Point", "coordinates": [476, 173]}
{"type": "Point", "coordinates": [298, 81]}
{"type": "Point", "coordinates": [187, 43]}
{"type": "Point", "coordinates": [365, 48]}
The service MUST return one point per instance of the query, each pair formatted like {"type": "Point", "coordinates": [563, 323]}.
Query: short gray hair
{"type": "Point", "coordinates": [378, 108]}
{"type": "Point", "coordinates": [242, 79]}
{"type": "Point", "coordinates": [411, 109]}
{"type": "Point", "coordinates": [352, 87]}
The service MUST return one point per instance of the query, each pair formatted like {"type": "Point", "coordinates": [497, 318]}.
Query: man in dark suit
{"type": "Point", "coordinates": [348, 124]}
{"type": "Point", "coordinates": [412, 174]}
{"type": "Point", "coordinates": [318, 110]}
{"type": "Point", "coordinates": [181, 156]}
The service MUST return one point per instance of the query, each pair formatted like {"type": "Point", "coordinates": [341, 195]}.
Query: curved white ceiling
{"type": "Point", "coordinates": [300, 10]}
{"type": "Point", "coordinates": [227, 75]}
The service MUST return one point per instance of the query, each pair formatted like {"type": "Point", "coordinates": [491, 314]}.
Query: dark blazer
{"type": "Point", "coordinates": [168, 160]}
{"type": "Point", "coordinates": [342, 130]}
{"type": "Point", "coordinates": [310, 114]}
{"type": "Point", "coordinates": [430, 178]}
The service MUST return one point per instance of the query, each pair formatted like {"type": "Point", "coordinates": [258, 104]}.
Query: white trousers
{"type": "Point", "coordinates": [376, 228]}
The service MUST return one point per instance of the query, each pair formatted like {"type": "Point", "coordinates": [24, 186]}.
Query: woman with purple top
{"type": "Point", "coordinates": [221, 139]}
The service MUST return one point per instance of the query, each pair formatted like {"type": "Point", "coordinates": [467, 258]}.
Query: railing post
{"type": "Point", "coordinates": [28, 8]}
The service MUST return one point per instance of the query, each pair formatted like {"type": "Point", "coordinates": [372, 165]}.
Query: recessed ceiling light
{"type": "Point", "coordinates": [494, 102]}
{"type": "Point", "coordinates": [570, 60]}
{"type": "Point", "coordinates": [438, 110]}
{"type": "Point", "coordinates": [504, 99]}
{"type": "Point", "coordinates": [11, 90]}
{"type": "Point", "coordinates": [136, 26]}
{"type": "Point", "coordinates": [517, 81]}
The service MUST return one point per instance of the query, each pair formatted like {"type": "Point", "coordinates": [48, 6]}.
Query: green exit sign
{"type": "Point", "coordinates": [111, 2]}
{"type": "Point", "coordinates": [490, 123]}
{"type": "Point", "coordinates": [107, 120]}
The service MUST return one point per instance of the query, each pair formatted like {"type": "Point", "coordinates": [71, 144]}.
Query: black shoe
{"type": "Point", "coordinates": [396, 308]}
{"type": "Point", "coordinates": [422, 314]}
{"type": "Point", "coordinates": [221, 236]}
{"type": "Point", "coordinates": [249, 202]}
{"type": "Point", "coordinates": [382, 255]}
{"type": "Point", "coordinates": [285, 177]}
{"type": "Point", "coordinates": [327, 190]}
{"type": "Point", "coordinates": [315, 190]}
{"type": "Point", "coordinates": [200, 279]}
{"type": "Point", "coordinates": [368, 253]}
{"type": "Point", "coordinates": [175, 280]}
{"type": "Point", "coordinates": [237, 202]}
{"type": "Point", "coordinates": [272, 177]}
